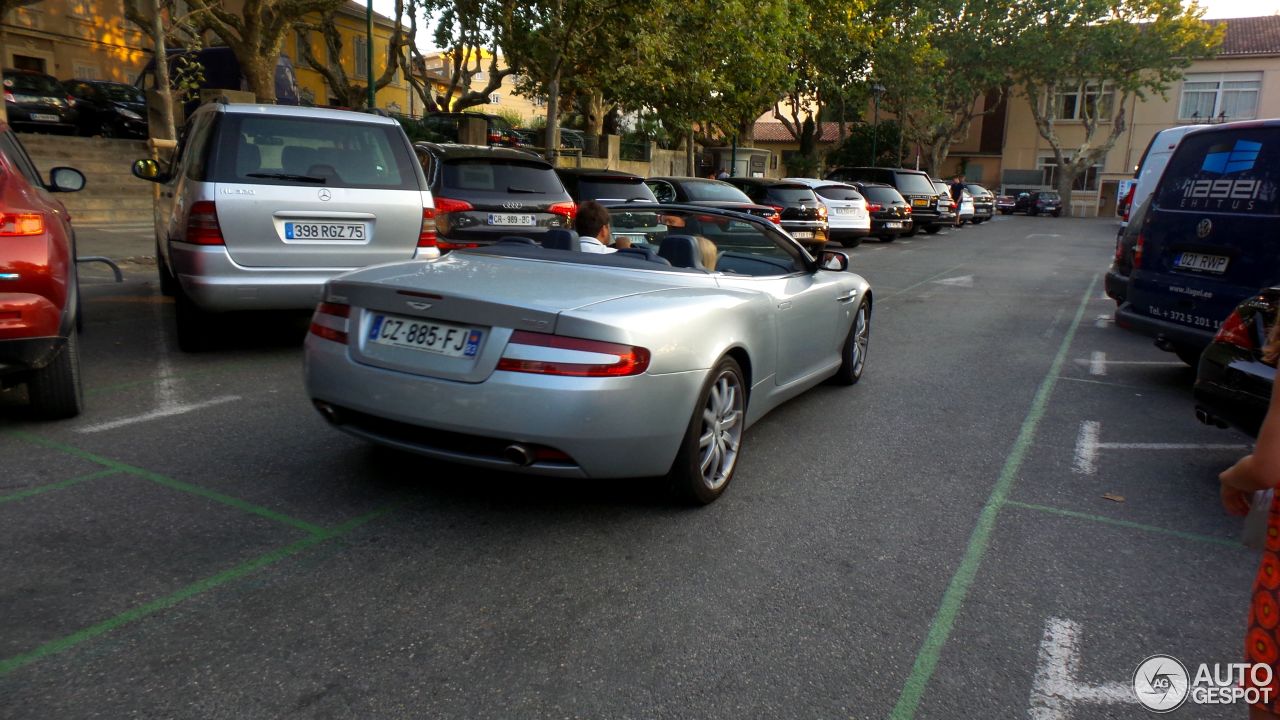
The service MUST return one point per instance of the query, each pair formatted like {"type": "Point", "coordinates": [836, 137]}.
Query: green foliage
{"type": "Point", "coordinates": [857, 146]}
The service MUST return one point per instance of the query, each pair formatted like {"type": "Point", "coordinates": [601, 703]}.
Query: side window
{"type": "Point", "coordinates": [662, 191]}
{"type": "Point", "coordinates": [196, 162]}
{"type": "Point", "coordinates": [13, 150]}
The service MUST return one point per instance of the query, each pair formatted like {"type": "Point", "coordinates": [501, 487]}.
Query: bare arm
{"type": "Point", "coordinates": [1261, 469]}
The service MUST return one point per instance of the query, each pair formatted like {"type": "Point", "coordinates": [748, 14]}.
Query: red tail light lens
{"type": "Point", "coordinates": [202, 224]}
{"type": "Point", "coordinates": [822, 211]}
{"type": "Point", "coordinates": [874, 207]}
{"type": "Point", "coordinates": [1137, 251]}
{"type": "Point", "coordinates": [569, 210]}
{"type": "Point", "coordinates": [1235, 331]}
{"type": "Point", "coordinates": [330, 321]}
{"type": "Point", "coordinates": [8, 97]}
{"type": "Point", "coordinates": [544, 354]}
{"type": "Point", "coordinates": [446, 205]}
{"type": "Point", "coordinates": [427, 231]}
{"type": "Point", "coordinates": [16, 224]}
{"type": "Point", "coordinates": [1128, 202]}
{"type": "Point", "coordinates": [71, 102]}
{"type": "Point", "coordinates": [495, 138]}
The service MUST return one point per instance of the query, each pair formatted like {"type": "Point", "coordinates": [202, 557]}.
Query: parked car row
{"type": "Point", "coordinates": [1197, 267]}
{"type": "Point", "coordinates": [36, 102]}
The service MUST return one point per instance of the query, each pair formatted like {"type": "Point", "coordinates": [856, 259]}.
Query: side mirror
{"type": "Point", "coordinates": [148, 170]}
{"type": "Point", "coordinates": [833, 260]}
{"type": "Point", "coordinates": [65, 179]}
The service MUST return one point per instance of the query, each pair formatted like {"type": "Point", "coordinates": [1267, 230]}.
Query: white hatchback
{"type": "Point", "coordinates": [847, 214]}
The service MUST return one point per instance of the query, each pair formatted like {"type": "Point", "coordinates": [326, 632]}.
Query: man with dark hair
{"type": "Point", "coordinates": [594, 233]}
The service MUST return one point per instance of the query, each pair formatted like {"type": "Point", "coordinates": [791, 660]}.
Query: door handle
{"type": "Point", "coordinates": [784, 305]}
{"type": "Point", "coordinates": [847, 298]}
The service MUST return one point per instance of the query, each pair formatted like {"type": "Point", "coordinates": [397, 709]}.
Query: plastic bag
{"type": "Point", "coordinates": [1255, 523]}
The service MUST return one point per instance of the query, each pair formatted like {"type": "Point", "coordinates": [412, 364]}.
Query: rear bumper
{"type": "Point", "coordinates": [1116, 285]}
{"type": "Point", "coordinates": [845, 233]}
{"type": "Point", "coordinates": [878, 227]}
{"type": "Point", "coordinates": [214, 282]}
{"type": "Point", "coordinates": [24, 354]}
{"type": "Point", "coordinates": [1233, 388]}
{"type": "Point", "coordinates": [27, 315]}
{"type": "Point", "coordinates": [1129, 319]}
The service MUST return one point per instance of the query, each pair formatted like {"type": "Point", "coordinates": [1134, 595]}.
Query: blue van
{"type": "Point", "coordinates": [222, 72]}
{"type": "Point", "coordinates": [1210, 238]}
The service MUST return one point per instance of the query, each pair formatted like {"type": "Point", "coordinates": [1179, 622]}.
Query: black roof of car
{"type": "Point", "coordinates": [595, 172]}
{"type": "Point", "coordinates": [454, 151]}
{"type": "Point", "coordinates": [766, 182]}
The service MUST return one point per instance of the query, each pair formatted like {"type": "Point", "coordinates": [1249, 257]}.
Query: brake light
{"type": "Point", "coordinates": [202, 224]}
{"type": "Point", "coordinates": [1119, 248]}
{"type": "Point", "coordinates": [906, 210]}
{"type": "Point", "coordinates": [330, 321]}
{"type": "Point", "coordinates": [446, 205]}
{"type": "Point", "coordinates": [427, 231]}
{"type": "Point", "coordinates": [1137, 251]}
{"type": "Point", "coordinates": [495, 138]}
{"type": "Point", "coordinates": [1235, 331]}
{"type": "Point", "coordinates": [446, 246]}
{"type": "Point", "coordinates": [822, 211]}
{"type": "Point", "coordinates": [568, 210]}
{"type": "Point", "coordinates": [544, 354]}
{"type": "Point", "coordinates": [874, 207]}
{"type": "Point", "coordinates": [1128, 202]}
{"type": "Point", "coordinates": [8, 97]}
{"type": "Point", "coordinates": [15, 224]}
{"type": "Point", "coordinates": [71, 102]}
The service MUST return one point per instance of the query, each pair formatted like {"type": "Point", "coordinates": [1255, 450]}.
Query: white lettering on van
{"type": "Point", "coordinates": [1223, 189]}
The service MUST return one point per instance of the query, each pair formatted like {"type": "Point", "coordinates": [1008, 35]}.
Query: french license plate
{"type": "Point", "coordinates": [417, 334]}
{"type": "Point", "coordinates": [893, 225]}
{"type": "Point", "coordinates": [920, 202]}
{"type": "Point", "coordinates": [44, 118]}
{"type": "Point", "coordinates": [846, 211]}
{"type": "Point", "coordinates": [507, 219]}
{"type": "Point", "coordinates": [1199, 261]}
{"type": "Point", "coordinates": [802, 235]}
{"type": "Point", "coordinates": [323, 231]}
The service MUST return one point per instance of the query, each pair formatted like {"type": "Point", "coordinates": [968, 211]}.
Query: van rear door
{"type": "Point", "coordinates": [1210, 239]}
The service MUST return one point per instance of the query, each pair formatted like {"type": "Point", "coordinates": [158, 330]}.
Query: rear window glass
{"type": "Point", "coordinates": [122, 93]}
{"type": "Point", "coordinates": [35, 84]}
{"type": "Point", "coordinates": [792, 194]}
{"type": "Point", "coordinates": [313, 152]}
{"type": "Point", "coordinates": [977, 189]}
{"type": "Point", "coordinates": [1233, 171]}
{"type": "Point", "coordinates": [714, 191]}
{"type": "Point", "coordinates": [914, 184]}
{"type": "Point", "coordinates": [882, 195]}
{"type": "Point", "coordinates": [838, 192]}
{"type": "Point", "coordinates": [613, 189]}
{"type": "Point", "coordinates": [501, 176]}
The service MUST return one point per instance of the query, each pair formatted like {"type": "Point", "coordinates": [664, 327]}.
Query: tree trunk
{"type": "Point", "coordinates": [553, 117]}
{"type": "Point", "coordinates": [1065, 184]}
{"type": "Point", "coordinates": [593, 106]}
{"type": "Point", "coordinates": [690, 167]}
{"type": "Point", "coordinates": [261, 74]}
{"type": "Point", "coordinates": [937, 153]}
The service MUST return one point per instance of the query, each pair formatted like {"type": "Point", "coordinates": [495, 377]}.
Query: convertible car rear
{"type": "Point", "coordinates": [644, 362]}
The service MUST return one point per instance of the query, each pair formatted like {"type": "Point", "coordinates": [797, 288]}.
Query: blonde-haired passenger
{"type": "Point", "coordinates": [708, 252]}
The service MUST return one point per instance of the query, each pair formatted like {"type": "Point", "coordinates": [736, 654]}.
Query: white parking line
{"type": "Point", "coordinates": [1056, 687]}
{"type": "Point", "coordinates": [1102, 321]}
{"type": "Point", "coordinates": [1098, 363]}
{"type": "Point", "coordinates": [1094, 361]}
{"type": "Point", "coordinates": [1088, 445]}
{"type": "Point", "coordinates": [168, 411]}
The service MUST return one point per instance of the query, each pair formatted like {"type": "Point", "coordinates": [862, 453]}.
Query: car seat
{"type": "Point", "coordinates": [561, 239]}
{"type": "Point", "coordinates": [248, 159]}
{"type": "Point", "coordinates": [681, 251]}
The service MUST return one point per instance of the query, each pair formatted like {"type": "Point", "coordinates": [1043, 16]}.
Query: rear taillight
{"type": "Point", "coordinates": [427, 231]}
{"type": "Point", "coordinates": [445, 205]}
{"type": "Point", "coordinates": [1235, 331]}
{"type": "Point", "coordinates": [71, 102]}
{"type": "Point", "coordinates": [822, 211]}
{"type": "Point", "coordinates": [874, 207]}
{"type": "Point", "coordinates": [1119, 248]}
{"type": "Point", "coordinates": [202, 224]}
{"type": "Point", "coordinates": [15, 224]}
{"type": "Point", "coordinates": [1137, 251]}
{"type": "Point", "coordinates": [8, 97]}
{"type": "Point", "coordinates": [567, 210]}
{"type": "Point", "coordinates": [330, 321]}
{"type": "Point", "coordinates": [495, 138]}
{"type": "Point", "coordinates": [544, 354]}
{"type": "Point", "coordinates": [1128, 202]}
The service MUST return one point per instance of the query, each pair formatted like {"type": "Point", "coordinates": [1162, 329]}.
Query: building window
{"type": "Point", "coordinates": [495, 99]}
{"type": "Point", "coordinates": [80, 9]}
{"type": "Point", "coordinates": [1225, 96]}
{"type": "Point", "coordinates": [361, 46]}
{"type": "Point", "coordinates": [85, 72]}
{"type": "Point", "coordinates": [480, 76]}
{"type": "Point", "coordinates": [1087, 180]}
{"type": "Point", "coordinates": [1087, 100]}
{"type": "Point", "coordinates": [301, 40]}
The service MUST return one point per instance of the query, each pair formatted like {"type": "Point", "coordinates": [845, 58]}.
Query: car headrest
{"type": "Point", "coordinates": [561, 239]}
{"type": "Point", "coordinates": [297, 159]}
{"type": "Point", "coordinates": [681, 251]}
{"type": "Point", "coordinates": [644, 253]}
{"type": "Point", "coordinates": [248, 159]}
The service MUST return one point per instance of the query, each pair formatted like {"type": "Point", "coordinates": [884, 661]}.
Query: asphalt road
{"type": "Point", "coordinates": [1013, 509]}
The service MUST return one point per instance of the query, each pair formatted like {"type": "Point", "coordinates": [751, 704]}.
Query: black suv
{"type": "Point", "coordinates": [712, 193]}
{"type": "Point", "coordinates": [606, 186]}
{"type": "Point", "coordinates": [483, 194]}
{"type": "Point", "coordinates": [803, 214]}
{"type": "Point", "coordinates": [889, 211]}
{"type": "Point", "coordinates": [37, 102]}
{"type": "Point", "coordinates": [1038, 203]}
{"type": "Point", "coordinates": [109, 108]}
{"type": "Point", "coordinates": [914, 185]}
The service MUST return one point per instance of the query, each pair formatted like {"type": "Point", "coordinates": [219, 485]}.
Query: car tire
{"type": "Point", "coordinates": [1006, 212]}
{"type": "Point", "coordinates": [853, 356]}
{"type": "Point", "coordinates": [193, 324]}
{"type": "Point", "coordinates": [851, 243]}
{"type": "Point", "coordinates": [1056, 213]}
{"type": "Point", "coordinates": [689, 480]}
{"type": "Point", "coordinates": [887, 238]}
{"type": "Point", "coordinates": [931, 229]}
{"type": "Point", "coordinates": [55, 390]}
{"type": "Point", "coordinates": [1188, 355]}
{"type": "Point", "coordinates": [912, 232]}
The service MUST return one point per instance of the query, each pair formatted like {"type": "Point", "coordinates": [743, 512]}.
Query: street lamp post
{"type": "Point", "coordinates": [876, 91]}
{"type": "Point", "coordinates": [368, 49]}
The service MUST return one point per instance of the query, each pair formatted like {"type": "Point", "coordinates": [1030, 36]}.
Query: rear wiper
{"type": "Point", "coordinates": [287, 176]}
{"type": "Point", "coordinates": [521, 190]}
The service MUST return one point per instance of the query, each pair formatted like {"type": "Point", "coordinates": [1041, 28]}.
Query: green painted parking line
{"type": "Point", "coordinates": [931, 278]}
{"type": "Point", "coordinates": [175, 484]}
{"type": "Point", "coordinates": [21, 494]}
{"type": "Point", "coordinates": [958, 589]}
{"type": "Point", "coordinates": [1196, 537]}
{"type": "Point", "coordinates": [197, 588]}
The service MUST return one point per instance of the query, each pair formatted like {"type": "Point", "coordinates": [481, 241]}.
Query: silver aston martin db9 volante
{"type": "Point", "coordinates": [543, 359]}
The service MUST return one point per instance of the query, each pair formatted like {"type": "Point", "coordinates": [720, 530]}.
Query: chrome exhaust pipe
{"type": "Point", "coordinates": [1164, 343]}
{"type": "Point", "coordinates": [518, 454]}
{"type": "Point", "coordinates": [1203, 416]}
{"type": "Point", "coordinates": [329, 412]}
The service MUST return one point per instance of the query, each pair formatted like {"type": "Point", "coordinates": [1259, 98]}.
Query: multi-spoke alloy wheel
{"type": "Point", "coordinates": [713, 440]}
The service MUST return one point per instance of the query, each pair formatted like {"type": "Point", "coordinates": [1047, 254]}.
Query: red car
{"type": "Point", "coordinates": [39, 295]}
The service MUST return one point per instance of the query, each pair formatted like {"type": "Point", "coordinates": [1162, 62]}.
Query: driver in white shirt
{"type": "Point", "coordinates": [594, 234]}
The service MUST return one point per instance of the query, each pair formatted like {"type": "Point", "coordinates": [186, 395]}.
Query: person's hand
{"type": "Point", "coordinates": [622, 243]}
{"type": "Point", "coordinates": [1236, 502]}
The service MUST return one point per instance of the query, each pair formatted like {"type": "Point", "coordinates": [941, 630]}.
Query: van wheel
{"type": "Point", "coordinates": [55, 390]}
{"type": "Point", "coordinates": [193, 324]}
{"type": "Point", "coordinates": [709, 453]}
